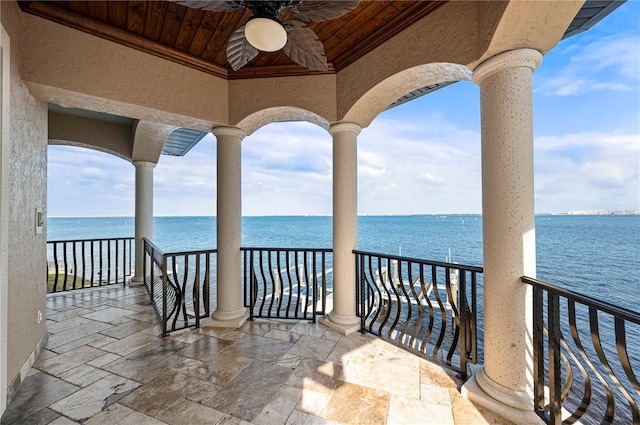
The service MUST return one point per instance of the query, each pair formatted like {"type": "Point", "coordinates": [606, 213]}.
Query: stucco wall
{"type": "Point", "coordinates": [27, 177]}
{"type": "Point", "coordinates": [76, 69]}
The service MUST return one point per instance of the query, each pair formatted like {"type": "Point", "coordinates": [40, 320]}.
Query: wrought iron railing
{"type": "Point", "coordinates": [426, 307]}
{"type": "Point", "coordinates": [84, 263]}
{"type": "Point", "coordinates": [584, 354]}
{"type": "Point", "coordinates": [179, 285]}
{"type": "Point", "coordinates": [287, 283]}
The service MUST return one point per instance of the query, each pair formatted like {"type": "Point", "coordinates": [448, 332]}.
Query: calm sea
{"type": "Point", "coordinates": [595, 255]}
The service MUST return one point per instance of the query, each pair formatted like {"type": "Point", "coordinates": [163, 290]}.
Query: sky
{"type": "Point", "coordinates": [422, 157]}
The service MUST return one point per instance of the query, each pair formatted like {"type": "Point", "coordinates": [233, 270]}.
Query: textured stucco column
{"type": "Point", "coordinates": [144, 214]}
{"type": "Point", "coordinates": [505, 383]}
{"type": "Point", "coordinates": [230, 311]}
{"type": "Point", "coordinates": [345, 227]}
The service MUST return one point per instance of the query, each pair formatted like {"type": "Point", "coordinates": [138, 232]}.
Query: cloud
{"type": "Point", "coordinates": [610, 63]}
{"type": "Point", "coordinates": [588, 171]}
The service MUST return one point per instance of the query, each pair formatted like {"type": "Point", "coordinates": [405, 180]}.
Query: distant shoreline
{"type": "Point", "coordinates": [569, 213]}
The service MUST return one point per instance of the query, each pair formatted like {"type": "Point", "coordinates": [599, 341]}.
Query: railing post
{"type": "Point", "coordinates": [164, 295]}
{"type": "Point", "coordinates": [555, 378]}
{"type": "Point", "coordinates": [538, 351]}
{"type": "Point", "coordinates": [464, 322]}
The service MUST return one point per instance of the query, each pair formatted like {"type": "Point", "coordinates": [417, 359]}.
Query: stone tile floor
{"type": "Point", "coordinates": [105, 363]}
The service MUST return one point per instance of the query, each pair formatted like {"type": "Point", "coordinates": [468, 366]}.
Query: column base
{"type": "Point", "coordinates": [226, 321]}
{"type": "Point", "coordinates": [344, 324]}
{"type": "Point", "coordinates": [136, 281]}
{"type": "Point", "coordinates": [475, 393]}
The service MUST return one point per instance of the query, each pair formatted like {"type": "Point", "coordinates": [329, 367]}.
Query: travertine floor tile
{"type": "Point", "coordinates": [109, 314]}
{"type": "Point", "coordinates": [185, 412]}
{"type": "Point", "coordinates": [301, 418]}
{"type": "Point", "coordinates": [314, 375]}
{"type": "Point", "coordinates": [83, 375]}
{"type": "Point", "coordinates": [136, 418]}
{"type": "Point", "coordinates": [246, 395]}
{"type": "Point", "coordinates": [64, 362]}
{"type": "Point", "coordinates": [37, 392]}
{"type": "Point", "coordinates": [110, 415]}
{"type": "Point", "coordinates": [465, 412]}
{"type": "Point", "coordinates": [221, 369]}
{"type": "Point", "coordinates": [103, 360]}
{"type": "Point", "coordinates": [91, 400]}
{"type": "Point", "coordinates": [105, 341]}
{"type": "Point", "coordinates": [404, 411]}
{"type": "Point", "coordinates": [130, 344]}
{"type": "Point", "coordinates": [70, 314]}
{"type": "Point", "coordinates": [75, 333]}
{"type": "Point", "coordinates": [355, 404]}
{"type": "Point", "coordinates": [280, 407]}
{"type": "Point", "coordinates": [313, 347]}
{"type": "Point", "coordinates": [126, 329]}
{"type": "Point", "coordinates": [155, 396]}
{"type": "Point", "coordinates": [204, 348]}
{"type": "Point", "coordinates": [433, 374]}
{"type": "Point", "coordinates": [259, 347]}
{"type": "Point", "coordinates": [63, 421]}
{"type": "Point", "coordinates": [313, 402]}
{"type": "Point", "coordinates": [400, 380]}
{"type": "Point", "coordinates": [144, 360]}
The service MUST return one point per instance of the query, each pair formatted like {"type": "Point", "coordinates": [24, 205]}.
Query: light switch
{"type": "Point", "coordinates": [39, 221]}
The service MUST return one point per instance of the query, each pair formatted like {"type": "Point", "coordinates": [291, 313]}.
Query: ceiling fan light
{"type": "Point", "coordinates": [265, 34]}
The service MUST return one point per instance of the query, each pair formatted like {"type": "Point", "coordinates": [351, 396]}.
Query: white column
{"type": "Point", "coordinates": [144, 214]}
{"type": "Point", "coordinates": [230, 311]}
{"type": "Point", "coordinates": [505, 383]}
{"type": "Point", "coordinates": [345, 227]}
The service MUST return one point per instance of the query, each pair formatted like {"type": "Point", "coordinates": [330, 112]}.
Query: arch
{"type": "Point", "coordinates": [379, 97]}
{"type": "Point", "coordinates": [57, 142]}
{"type": "Point", "coordinates": [259, 119]}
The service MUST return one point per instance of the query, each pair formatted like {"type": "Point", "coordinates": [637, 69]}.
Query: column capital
{"type": "Point", "coordinates": [344, 127]}
{"type": "Point", "coordinates": [521, 58]}
{"type": "Point", "coordinates": [229, 131]}
{"type": "Point", "coordinates": [144, 164]}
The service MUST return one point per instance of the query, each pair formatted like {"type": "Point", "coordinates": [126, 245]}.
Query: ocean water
{"type": "Point", "coordinates": [594, 255]}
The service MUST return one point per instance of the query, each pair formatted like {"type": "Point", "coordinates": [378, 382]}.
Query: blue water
{"type": "Point", "coordinates": [594, 255]}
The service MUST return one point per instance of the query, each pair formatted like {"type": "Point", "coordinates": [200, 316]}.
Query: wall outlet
{"type": "Point", "coordinates": [39, 316]}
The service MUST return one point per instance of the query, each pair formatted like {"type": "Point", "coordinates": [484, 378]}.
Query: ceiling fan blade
{"type": "Point", "coordinates": [304, 47]}
{"type": "Point", "coordinates": [239, 51]}
{"type": "Point", "coordinates": [324, 10]}
{"type": "Point", "coordinates": [214, 5]}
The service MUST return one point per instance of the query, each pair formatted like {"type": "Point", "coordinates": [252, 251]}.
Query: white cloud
{"type": "Point", "coordinates": [588, 171]}
{"type": "Point", "coordinates": [610, 63]}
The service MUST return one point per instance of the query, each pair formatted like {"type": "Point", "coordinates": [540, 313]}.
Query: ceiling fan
{"type": "Point", "coordinates": [265, 32]}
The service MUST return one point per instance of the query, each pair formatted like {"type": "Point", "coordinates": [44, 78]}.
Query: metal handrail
{"type": "Point", "coordinates": [409, 302]}
{"type": "Point", "coordinates": [184, 297]}
{"type": "Point", "coordinates": [577, 377]}
{"type": "Point", "coordinates": [286, 283]}
{"type": "Point", "coordinates": [85, 263]}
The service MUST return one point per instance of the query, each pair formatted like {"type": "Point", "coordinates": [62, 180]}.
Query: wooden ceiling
{"type": "Point", "coordinates": [198, 38]}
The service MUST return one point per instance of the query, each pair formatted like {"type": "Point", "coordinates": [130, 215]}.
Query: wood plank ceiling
{"type": "Point", "coordinates": [198, 38]}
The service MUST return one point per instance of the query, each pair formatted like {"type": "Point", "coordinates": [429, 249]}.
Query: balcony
{"type": "Point", "coordinates": [105, 362]}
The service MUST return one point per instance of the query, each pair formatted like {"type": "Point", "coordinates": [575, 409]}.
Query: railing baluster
{"type": "Point", "coordinates": [101, 272]}
{"type": "Point", "coordinates": [623, 354]}
{"type": "Point", "coordinates": [196, 292]}
{"type": "Point", "coordinates": [75, 264]}
{"type": "Point", "coordinates": [108, 261]}
{"type": "Point", "coordinates": [83, 265]}
{"type": "Point", "coordinates": [115, 261]}
{"type": "Point", "coordinates": [205, 286]}
{"type": "Point", "coordinates": [66, 266]}
{"type": "Point", "coordinates": [555, 381]}
{"type": "Point", "coordinates": [56, 266]}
